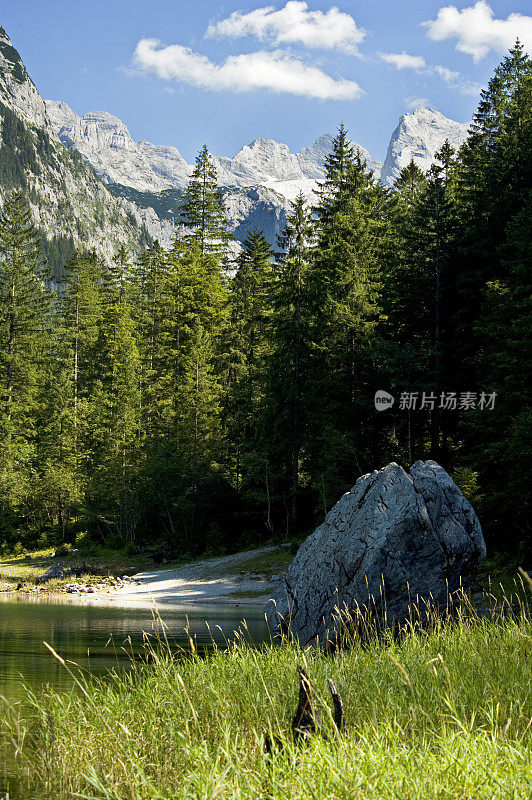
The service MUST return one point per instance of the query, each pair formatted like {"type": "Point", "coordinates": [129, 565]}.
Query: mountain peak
{"type": "Point", "coordinates": [421, 111]}
{"type": "Point", "coordinates": [16, 87]}
{"type": "Point", "coordinates": [419, 135]}
{"type": "Point", "coordinates": [106, 143]}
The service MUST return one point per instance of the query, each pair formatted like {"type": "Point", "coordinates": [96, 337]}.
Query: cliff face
{"type": "Point", "coordinates": [420, 135]}
{"type": "Point", "coordinates": [69, 202]}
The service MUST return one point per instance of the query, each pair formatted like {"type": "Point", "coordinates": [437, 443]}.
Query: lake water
{"type": "Point", "coordinates": [99, 638]}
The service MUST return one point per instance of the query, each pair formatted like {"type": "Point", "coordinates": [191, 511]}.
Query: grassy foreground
{"type": "Point", "coordinates": [445, 714]}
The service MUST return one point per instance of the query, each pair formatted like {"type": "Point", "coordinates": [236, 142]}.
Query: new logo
{"type": "Point", "coordinates": [383, 400]}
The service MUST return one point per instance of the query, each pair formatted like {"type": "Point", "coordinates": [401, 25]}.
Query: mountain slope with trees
{"type": "Point", "coordinates": [69, 203]}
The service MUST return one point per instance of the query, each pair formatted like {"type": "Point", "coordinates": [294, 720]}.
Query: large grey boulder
{"type": "Point", "coordinates": [395, 540]}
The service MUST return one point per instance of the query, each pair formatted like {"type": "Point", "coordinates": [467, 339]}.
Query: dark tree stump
{"type": "Point", "coordinates": [338, 715]}
{"type": "Point", "coordinates": [307, 718]}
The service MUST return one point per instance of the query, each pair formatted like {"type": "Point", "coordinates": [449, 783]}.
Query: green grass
{"type": "Point", "coordinates": [499, 576]}
{"type": "Point", "coordinates": [444, 714]}
{"type": "Point", "coordinates": [263, 565]}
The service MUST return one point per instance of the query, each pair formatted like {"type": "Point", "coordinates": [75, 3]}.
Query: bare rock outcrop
{"type": "Point", "coordinates": [395, 540]}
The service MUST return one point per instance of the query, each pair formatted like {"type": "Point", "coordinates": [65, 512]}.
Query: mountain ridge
{"type": "Point", "coordinates": [105, 141]}
{"type": "Point", "coordinates": [70, 204]}
{"type": "Point", "coordinates": [91, 184]}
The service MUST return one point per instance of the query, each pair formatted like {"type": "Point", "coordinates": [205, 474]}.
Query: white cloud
{"type": "Point", "coordinates": [403, 60]}
{"type": "Point", "coordinates": [330, 30]}
{"type": "Point", "coordinates": [477, 31]}
{"type": "Point", "coordinates": [416, 102]}
{"type": "Point", "coordinates": [448, 75]}
{"type": "Point", "coordinates": [455, 81]}
{"type": "Point", "coordinates": [470, 88]}
{"type": "Point", "coordinates": [275, 71]}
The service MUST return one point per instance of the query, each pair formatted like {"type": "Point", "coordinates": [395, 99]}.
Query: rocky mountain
{"type": "Point", "coordinates": [90, 183]}
{"type": "Point", "coordinates": [246, 209]}
{"type": "Point", "coordinates": [420, 135]}
{"type": "Point", "coordinates": [69, 202]}
{"type": "Point", "coordinates": [106, 143]}
{"type": "Point", "coordinates": [266, 162]}
{"type": "Point", "coordinates": [153, 176]}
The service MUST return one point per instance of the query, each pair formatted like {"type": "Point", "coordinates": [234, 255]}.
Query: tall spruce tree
{"type": "Point", "coordinates": [493, 182]}
{"type": "Point", "coordinates": [491, 289]}
{"type": "Point", "coordinates": [410, 181]}
{"type": "Point", "coordinates": [352, 227]}
{"type": "Point", "coordinates": [290, 356]}
{"type": "Point", "coordinates": [202, 211]}
{"type": "Point", "coordinates": [24, 347]}
{"type": "Point", "coordinates": [67, 422]}
{"type": "Point", "coordinates": [248, 354]}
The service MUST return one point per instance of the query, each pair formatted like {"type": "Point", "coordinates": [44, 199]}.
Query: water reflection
{"type": "Point", "coordinates": [99, 638]}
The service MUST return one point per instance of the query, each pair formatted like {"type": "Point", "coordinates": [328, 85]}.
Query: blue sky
{"type": "Point", "coordinates": [185, 72]}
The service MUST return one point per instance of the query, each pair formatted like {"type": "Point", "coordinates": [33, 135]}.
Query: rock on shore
{"type": "Point", "coordinates": [394, 540]}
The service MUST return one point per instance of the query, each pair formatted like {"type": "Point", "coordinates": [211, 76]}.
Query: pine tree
{"type": "Point", "coordinates": [24, 346]}
{"type": "Point", "coordinates": [249, 347]}
{"type": "Point", "coordinates": [182, 319]}
{"type": "Point", "coordinates": [493, 182]}
{"type": "Point", "coordinates": [353, 217]}
{"type": "Point", "coordinates": [203, 209]}
{"type": "Point", "coordinates": [82, 313]}
{"type": "Point", "coordinates": [290, 356]}
{"type": "Point", "coordinates": [112, 485]}
{"type": "Point", "coordinates": [499, 439]}
{"type": "Point", "coordinates": [410, 181]}
{"type": "Point", "coordinates": [445, 162]}
{"type": "Point", "coordinates": [151, 315]}
{"type": "Point", "coordinates": [120, 273]}
{"type": "Point", "coordinates": [419, 309]}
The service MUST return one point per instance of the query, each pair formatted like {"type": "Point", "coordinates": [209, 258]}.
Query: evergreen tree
{"type": "Point", "coordinates": [498, 440]}
{"type": "Point", "coordinates": [290, 357]}
{"type": "Point", "coordinates": [445, 161]}
{"type": "Point", "coordinates": [120, 273]}
{"type": "Point", "coordinates": [410, 181]}
{"type": "Point", "coordinates": [203, 208]}
{"type": "Point", "coordinates": [493, 188]}
{"type": "Point", "coordinates": [112, 485]}
{"type": "Point", "coordinates": [249, 350]}
{"type": "Point", "coordinates": [151, 314]}
{"type": "Point", "coordinates": [183, 320]}
{"type": "Point", "coordinates": [24, 346]}
{"type": "Point", "coordinates": [353, 217]}
{"type": "Point", "coordinates": [493, 182]}
{"type": "Point", "coordinates": [82, 315]}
